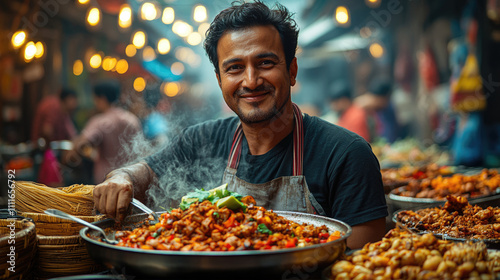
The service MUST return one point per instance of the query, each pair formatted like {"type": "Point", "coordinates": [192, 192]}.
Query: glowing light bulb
{"type": "Point", "coordinates": [181, 28]}
{"type": "Point", "coordinates": [95, 61]}
{"type": "Point", "coordinates": [171, 89]}
{"type": "Point", "coordinates": [148, 11]}
{"type": "Point", "coordinates": [202, 29]}
{"type": "Point", "coordinates": [18, 39]}
{"type": "Point", "coordinates": [163, 46]}
{"type": "Point", "coordinates": [108, 63]}
{"type": "Point", "coordinates": [200, 13]}
{"type": "Point", "coordinates": [29, 51]}
{"type": "Point", "coordinates": [130, 50]}
{"type": "Point", "coordinates": [342, 15]}
{"type": "Point", "coordinates": [77, 67]}
{"type": "Point", "coordinates": [125, 16]}
{"type": "Point", "coordinates": [139, 84]}
{"type": "Point", "coordinates": [194, 38]}
{"type": "Point", "coordinates": [376, 50]}
{"type": "Point", "coordinates": [94, 16]}
{"type": "Point", "coordinates": [177, 68]}
{"type": "Point", "coordinates": [40, 50]}
{"type": "Point", "coordinates": [139, 39]}
{"type": "Point", "coordinates": [168, 15]}
{"type": "Point", "coordinates": [121, 66]}
{"type": "Point", "coordinates": [148, 54]}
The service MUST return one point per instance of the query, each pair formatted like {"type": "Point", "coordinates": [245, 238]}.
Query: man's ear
{"type": "Point", "coordinates": [218, 78]}
{"type": "Point", "coordinates": [293, 71]}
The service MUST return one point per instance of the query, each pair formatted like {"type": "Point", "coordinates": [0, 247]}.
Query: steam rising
{"type": "Point", "coordinates": [180, 177]}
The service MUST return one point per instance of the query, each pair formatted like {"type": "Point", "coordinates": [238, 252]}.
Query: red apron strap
{"type": "Point", "coordinates": [298, 143]}
{"type": "Point", "coordinates": [235, 153]}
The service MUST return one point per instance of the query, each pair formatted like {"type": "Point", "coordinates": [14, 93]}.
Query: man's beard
{"type": "Point", "coordinates": [257, 115]}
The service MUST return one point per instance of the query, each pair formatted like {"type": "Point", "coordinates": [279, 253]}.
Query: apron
{"type": "Point", "coordinates": [288, 193]}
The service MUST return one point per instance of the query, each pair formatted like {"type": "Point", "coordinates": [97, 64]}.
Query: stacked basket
{"type": "Point", "coordinates": [23, 247]}
{"type": "Point", "coordinates": [61, 250]}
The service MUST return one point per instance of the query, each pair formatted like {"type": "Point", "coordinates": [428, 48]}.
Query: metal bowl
{"type": "Point", "coordinates": [288, 263]}
{"type": "Point", "coordinates": [396, 202]}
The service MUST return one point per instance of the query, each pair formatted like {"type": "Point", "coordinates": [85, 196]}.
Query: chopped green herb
{"type": "Point", "coordinates": [262, 228]}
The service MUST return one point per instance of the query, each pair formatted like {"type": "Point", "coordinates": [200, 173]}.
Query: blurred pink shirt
{"type": "Point", "coordinates": [111, 133]}
{"type": "Point", "coordinates": [50, 113]}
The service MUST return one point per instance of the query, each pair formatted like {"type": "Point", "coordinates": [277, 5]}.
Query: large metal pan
{"type": "Point", "coordinates": [289, 263]}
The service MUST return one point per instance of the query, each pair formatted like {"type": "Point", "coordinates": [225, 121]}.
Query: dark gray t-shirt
{"type": "Point", "coordinates": [340, 169]}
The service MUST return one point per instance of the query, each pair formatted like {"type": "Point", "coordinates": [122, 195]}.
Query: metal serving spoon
{"type": "Point", "coordinates": [63, 215]}
{"type": "Point", "coordinates": [145, 209]}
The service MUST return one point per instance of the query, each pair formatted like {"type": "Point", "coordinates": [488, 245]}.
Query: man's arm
{"type": "Point", "coordinates": [371, 231]}
{"type": "Point", "coordinates": [113, 196]}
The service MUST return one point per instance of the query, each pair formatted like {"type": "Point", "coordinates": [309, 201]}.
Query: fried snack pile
{"type": "Point", "coordinates": [403, 255]}
{"type": "Point", "coordinates": [457, 218]}
{"type": "Point", "coordinates": [482, 184]}
{"type": "Point", "coordinates": [205, 227]}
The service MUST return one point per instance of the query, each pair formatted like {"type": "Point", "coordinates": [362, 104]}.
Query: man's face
{"type": "Point", "coordinates": [253, 76]}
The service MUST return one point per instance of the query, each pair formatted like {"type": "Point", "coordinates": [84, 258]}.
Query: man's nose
{"type": "Point", "coordinates": [251, 78]}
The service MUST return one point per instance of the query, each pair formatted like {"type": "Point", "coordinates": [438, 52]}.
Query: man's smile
{"type": "Point", "coordinates": [254, 97]}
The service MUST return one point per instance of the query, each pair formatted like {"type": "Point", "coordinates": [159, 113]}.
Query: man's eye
{"type": "Point", "coordinates": [267, 63]}
{"type": "Point", "coordinates": [233, 68]}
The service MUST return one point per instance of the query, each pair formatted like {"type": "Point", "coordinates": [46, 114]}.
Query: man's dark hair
{"type": "Point", "coordinates": [66, 92]}
{"type": "Point", "coordinates": [108, 89]}
{"type": "Point", "coordinates": [244, 15]}
{"type": "Point", "coordinates": [339, 89]}
{"type": "Point", "coordinates": [380, 87]}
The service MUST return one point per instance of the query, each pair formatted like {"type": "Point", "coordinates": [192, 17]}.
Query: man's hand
{"type": "Point", "coordinates": [113, 196]}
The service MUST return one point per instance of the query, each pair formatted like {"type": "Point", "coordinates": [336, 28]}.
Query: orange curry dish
{"type": "Point", "coordinates": [205, 227]}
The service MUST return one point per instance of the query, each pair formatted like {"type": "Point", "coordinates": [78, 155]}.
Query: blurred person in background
{"type": "Point", "coordinates": [107, 135]}
{"type": "Point", "coordinates": [52, 120]}
{"type": "Point", "coordinates": [377, 103]}
{"type": "Point", "coordinates": [270, 148]}
{"type": "Point", "coordinates": [348, 115]}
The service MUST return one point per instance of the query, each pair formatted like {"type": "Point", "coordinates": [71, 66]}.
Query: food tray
{"type": "Point", "coordinates": [396, 202]}
{"type": "Point", "coordinates": [490, 243]}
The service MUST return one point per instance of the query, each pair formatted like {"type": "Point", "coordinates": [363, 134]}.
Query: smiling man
{"type": "Point", "coordinates": [284, 159]}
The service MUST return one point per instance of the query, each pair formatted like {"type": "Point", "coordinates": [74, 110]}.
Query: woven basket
{"type": "Point", "coordinates": [50, 225]}
{"type": "Point", "coordinates": [63, 256]}
{"type": "Point", "coordinates": [25, 249]}
{"type": "Point", "coordinates": [61, 250]}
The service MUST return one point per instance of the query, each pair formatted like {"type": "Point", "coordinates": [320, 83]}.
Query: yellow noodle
{"type": "Point", "coordinates": [34, 197]}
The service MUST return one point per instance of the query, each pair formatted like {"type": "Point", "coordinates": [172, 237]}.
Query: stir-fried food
{"type": "Point", "coordinates": [204, 226]}
{"type": "Point", "coordinates": [397, 177]}
{"type": "Point", "coordinates": [457, 218]}
{"type": "Point", "coordinates": [485, 183]}
{"type": "Point", "coordinates": [410, 172]}
{"type": "Point", "coordinates": [403, 255]}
